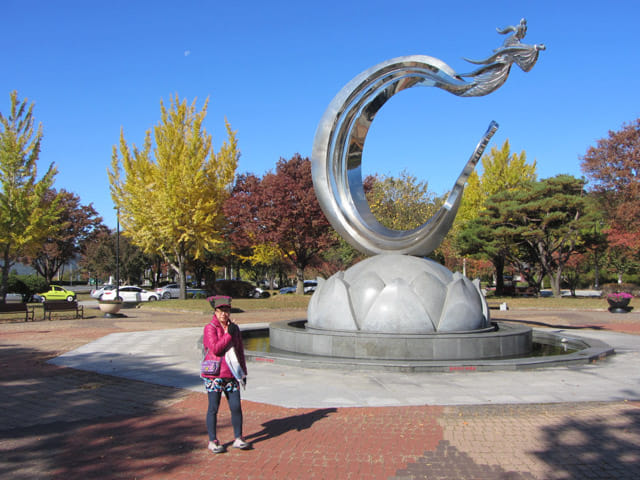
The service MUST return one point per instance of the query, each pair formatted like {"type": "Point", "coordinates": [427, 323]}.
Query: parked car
{"type": "Point", "coordinates": [235, 289]}
{"type": "Point", "coordinates": [309, 287]}
{"type": "Point", "coordinates": [171, 290]}
{"type": "Point", "coordinates": [196, 292]}
{"type": "Point", "coordinates": [260, 293]}
{"type": "Point", "coordinates": [97, 293]}
{"type": "Point", "coordinates": [13, 298]}
{"type": "Point", "coordinates": [58, 293]}
{"type": "Point", "coordinates": [131, 293]}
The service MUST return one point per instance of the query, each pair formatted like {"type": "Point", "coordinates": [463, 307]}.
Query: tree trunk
{"type": "Point", "coordinates": [555, 278]}
{"type": "Point", "coordinates": [182, 280]}
{"type": "Point", "coordinates": [498, 264]}
{"type": "Point", "coordinates": [183, 283]}
{"type": "Point", "coordinates": [6, 266]}
{"type": "Point", "coordinates": [179, 267]}
{"type": "Point", "coordinates": [300, 281]}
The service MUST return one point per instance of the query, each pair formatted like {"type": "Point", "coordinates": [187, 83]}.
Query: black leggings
{"type": "Point", "coordinates": [233, 398]}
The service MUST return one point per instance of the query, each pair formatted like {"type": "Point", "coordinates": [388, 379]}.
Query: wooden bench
{"type": "Point", "coordinates": [497, 305]}
{"type": "Point", "coordinates": [526, 291]}
{"type": "Point", "coordinates": [17, 308]}
{"type": "Point", "coordinates": [62, 306]}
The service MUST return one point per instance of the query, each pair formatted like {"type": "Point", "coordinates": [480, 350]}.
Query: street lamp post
{"type": "Point", "coordinates": [112, 307]}
{"type": "Point", "coordinates": [117, 253]}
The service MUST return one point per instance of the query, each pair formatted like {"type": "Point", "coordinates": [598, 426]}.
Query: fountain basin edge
{"type": "Point", "coordinates": [587, 350]}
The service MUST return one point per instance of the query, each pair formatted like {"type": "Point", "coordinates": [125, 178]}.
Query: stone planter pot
{"type": "Point", "coordinates": [110, 307]}
{"type": "Point", "coordinates": [619, 306]}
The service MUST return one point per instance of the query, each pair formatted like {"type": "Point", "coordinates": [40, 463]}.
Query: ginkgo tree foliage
{"type": "Point", "coordinates": [170, 192]}
{"type": "Point", "coordinates": [502, 171]}
{"type": "Point", "coordinates": [401, 203]}
{"type": "Point", "coordinates": [27, 217]}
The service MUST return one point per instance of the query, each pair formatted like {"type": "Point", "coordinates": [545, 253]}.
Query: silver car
{"type": "Point", "coordinates": [171, 290]}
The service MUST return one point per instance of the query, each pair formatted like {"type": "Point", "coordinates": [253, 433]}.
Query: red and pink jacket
{"type": "Point", "coordinates": [217, 342]}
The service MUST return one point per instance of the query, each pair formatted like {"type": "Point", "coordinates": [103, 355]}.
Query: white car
{"type": "Point", "coordinates": [131, 293]}
{"type": "Point", "coordinates": [97, 292]}
{"type": "Point", "coordinates": [310, 286]}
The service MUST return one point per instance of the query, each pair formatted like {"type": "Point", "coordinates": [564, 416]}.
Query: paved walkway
{"type": "Point", "coordinates": [61, 422]}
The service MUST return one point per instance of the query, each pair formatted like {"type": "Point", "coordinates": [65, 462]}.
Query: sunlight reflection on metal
{"type": "Point", "coordinates": [341, 133]}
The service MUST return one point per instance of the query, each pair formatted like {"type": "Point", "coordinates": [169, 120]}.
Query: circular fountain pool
{"type": "Point", "coordinates": [535, 349]}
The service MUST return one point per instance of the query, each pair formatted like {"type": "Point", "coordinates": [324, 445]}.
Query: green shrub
{"type": "Point", "coordinates": [27, 285]}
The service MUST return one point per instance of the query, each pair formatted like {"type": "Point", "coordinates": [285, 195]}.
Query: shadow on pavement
{"type": "Point", "coordinates": [555, 325]}
{"type": "Point", "coordinates": [598, 448]}
{"type": "Point", "coordinates": [279, 426]}
{"type": "Point", "coordinates": [58, 422]}
{"type": "Point", "coordinates": [448, 462]}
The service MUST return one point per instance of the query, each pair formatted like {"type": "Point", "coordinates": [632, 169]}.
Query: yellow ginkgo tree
{"type": "Point", "coordinates": [170, 192]}
{"type": "Point", "coordinates": [502, 170]}
{"type": "Point", "coordinates": [27, 216]}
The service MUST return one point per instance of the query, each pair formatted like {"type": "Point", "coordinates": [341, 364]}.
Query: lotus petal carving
{"type": "Point", "coordinates": [398, 294]}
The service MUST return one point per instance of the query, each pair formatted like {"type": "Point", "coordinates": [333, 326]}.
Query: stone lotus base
{"type": "Point", "coordinates": [398, 294]}
{"type": "Point", "coordinates": [488, 343]}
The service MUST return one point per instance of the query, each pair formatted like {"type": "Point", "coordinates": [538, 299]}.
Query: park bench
{"type": "Point", "coordinates": [17, 308]}
{"type": "Point", "coordinates": [498, 306]}
{"type": "Point", "coordinates": [526, 291]}
{"type": "Point", "coordinates": [62, 306]}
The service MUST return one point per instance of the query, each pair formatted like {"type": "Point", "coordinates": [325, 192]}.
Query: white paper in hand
{"type": "Point", "coordinates": [234, 365]}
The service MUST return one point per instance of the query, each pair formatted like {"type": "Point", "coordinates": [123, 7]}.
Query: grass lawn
{"type": "Point", "coordinates": [551, 303]}
{"type": "Point", "coordinates": [295, 302]}
{"type": "Point", "coordinates": [275, 302]}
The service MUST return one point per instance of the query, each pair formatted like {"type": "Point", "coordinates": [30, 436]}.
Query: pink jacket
{"type": "Point", "coordinates": [217, 342]}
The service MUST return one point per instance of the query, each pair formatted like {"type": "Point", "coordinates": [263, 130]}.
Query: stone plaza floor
{"type": "Point", "coordinates": [61, 422]}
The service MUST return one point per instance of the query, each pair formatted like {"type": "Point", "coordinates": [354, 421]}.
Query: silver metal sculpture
{"type": "Point", "coordinates": [340, 137]}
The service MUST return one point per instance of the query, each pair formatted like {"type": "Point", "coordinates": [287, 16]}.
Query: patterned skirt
{"type": "Point", "coordinates": [221, 385]}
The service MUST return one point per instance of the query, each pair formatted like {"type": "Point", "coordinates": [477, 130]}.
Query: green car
{"type": "Point", "coordinates": [58, 293]}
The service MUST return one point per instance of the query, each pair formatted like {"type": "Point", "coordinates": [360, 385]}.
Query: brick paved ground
{"type": "Point", "coordinates": [61, 423]}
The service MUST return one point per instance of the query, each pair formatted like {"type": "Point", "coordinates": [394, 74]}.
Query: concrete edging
{"type": "Point", "coordinates": [589, 351]}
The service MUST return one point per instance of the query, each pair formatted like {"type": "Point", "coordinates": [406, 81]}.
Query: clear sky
{"type": "Point", "coordinates": [271, 68]}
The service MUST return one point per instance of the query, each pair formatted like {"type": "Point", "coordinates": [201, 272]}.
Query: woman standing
{"type": "Point", "coordinates": [221, 338]}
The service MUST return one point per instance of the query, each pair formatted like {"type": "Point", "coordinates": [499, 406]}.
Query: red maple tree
{"type": "Point", "coordinates": [613, 167]}
{"type": "Point", "coordinates": [279, 209]}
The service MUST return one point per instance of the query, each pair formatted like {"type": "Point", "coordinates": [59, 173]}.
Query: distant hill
{"type": "Point", "coordinates": [22, 269]}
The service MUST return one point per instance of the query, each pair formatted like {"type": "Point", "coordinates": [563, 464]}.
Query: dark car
{"type": "Point", "coordinates": [235, 289]}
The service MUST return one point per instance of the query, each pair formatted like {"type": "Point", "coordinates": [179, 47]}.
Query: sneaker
{"type": "Point", "coordinates": [240, 443]}
{"type": "Point", "coordinates": [215, 447]}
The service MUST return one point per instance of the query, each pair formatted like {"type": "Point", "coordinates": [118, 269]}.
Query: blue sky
{"type": "Point", "coordinates": [271, 68]}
